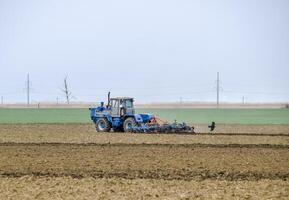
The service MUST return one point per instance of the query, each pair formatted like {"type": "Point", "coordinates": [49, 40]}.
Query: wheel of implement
{"type": "Point", "coordinates": [128, 124]}
{"type": "Point", "coordinates": [102, 125]}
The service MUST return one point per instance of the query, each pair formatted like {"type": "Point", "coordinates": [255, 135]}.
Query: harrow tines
{"type": "Point", "coordinates": [165, 128]}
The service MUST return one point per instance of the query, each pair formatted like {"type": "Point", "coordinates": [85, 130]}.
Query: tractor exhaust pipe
{"type": "Point", "coordinates": [108, 99]}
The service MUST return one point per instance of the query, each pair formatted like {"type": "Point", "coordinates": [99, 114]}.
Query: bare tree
{"type": "Point", "coordinates": [68, 94]}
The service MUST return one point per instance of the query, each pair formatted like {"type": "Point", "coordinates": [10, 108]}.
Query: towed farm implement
{"type": "Point", "coordinates": [119, 115]}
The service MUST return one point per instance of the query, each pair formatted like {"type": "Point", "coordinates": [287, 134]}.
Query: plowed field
{"type": "Point", "coordinates": [43, 161]}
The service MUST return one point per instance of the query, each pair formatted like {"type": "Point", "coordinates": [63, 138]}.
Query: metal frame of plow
{"type": "Point", "coordinates": [164, 128]}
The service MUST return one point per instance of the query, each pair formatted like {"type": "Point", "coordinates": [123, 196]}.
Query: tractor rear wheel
{"type": "Point", "coordinates": [102, 125]}
{"type": "Point", "coordinates": [128, 124]}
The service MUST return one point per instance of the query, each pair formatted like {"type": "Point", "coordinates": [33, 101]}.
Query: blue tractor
{"type": "Point", "coordinates": [119, 115]}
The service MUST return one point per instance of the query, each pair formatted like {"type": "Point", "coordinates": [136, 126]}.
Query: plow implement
{"type": "Point", "coordinates": [167, 128]}
{"type": "Point", "coordinates": [157, 125]}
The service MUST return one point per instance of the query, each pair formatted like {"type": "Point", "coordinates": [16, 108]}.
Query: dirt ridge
{"type": "Point", "coordinates": [270, 146]}
{"type": "Point", "coordinates": [160, 175]}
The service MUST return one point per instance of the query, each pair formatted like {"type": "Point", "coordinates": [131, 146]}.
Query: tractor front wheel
{"type": "Point", "coordinates": [102, 125]}
{"type": "Point", "coordinates": [128, 124]}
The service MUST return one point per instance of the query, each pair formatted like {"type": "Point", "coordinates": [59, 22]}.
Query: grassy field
{"type": "Point", "coordinates": [196, 116]}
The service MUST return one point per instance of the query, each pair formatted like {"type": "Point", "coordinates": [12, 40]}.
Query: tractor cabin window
{"type": "Point", "coordinates": [114, 103]}
{"type": "Point", "coordinates": [128, 103]}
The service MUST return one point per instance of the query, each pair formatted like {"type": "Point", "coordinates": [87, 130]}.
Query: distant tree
{"type": "Point", "coordinates": [66, 91]}
{"type": "Point", "coordinates": [287, 105]}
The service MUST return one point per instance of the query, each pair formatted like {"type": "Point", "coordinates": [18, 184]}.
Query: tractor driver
{"type": "Point", "coordinates": [122, 108]}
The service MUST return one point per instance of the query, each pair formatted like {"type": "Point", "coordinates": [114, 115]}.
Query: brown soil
{"type": "Point", "coordinates": [52, 161]}
{"type": "Point", "coordinates": [85, 133]}
{"type": "Point", "coordinates": [31, 187]}
{"type": "Point", "coordinates": [144, 161]}
{"type": "Point", "coordinates": [199, 128]}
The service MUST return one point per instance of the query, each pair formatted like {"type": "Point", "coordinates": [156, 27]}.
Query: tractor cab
{"type": "Point", "coordinates": [120, 106]}
{"type": "Point", "coordinates": [118, 114]}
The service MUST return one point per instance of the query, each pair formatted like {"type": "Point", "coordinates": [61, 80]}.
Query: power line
{"type": "Point", "coordinates": [256, 92]}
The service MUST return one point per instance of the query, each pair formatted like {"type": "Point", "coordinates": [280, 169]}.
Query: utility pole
{"type": "Point", "coordinates": [218, 89]}
{"type": "Point", "coordinates": [243, 99]}
{"type": "Point", "coordinates": [28, 90]}
{"type": "Point", "coordinates": [2, 101]}
{"type": "Point", "coordinates": [56, 100]}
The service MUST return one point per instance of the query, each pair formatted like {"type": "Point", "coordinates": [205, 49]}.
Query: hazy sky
{"type": "Point", "coordinates": [154, 50]}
